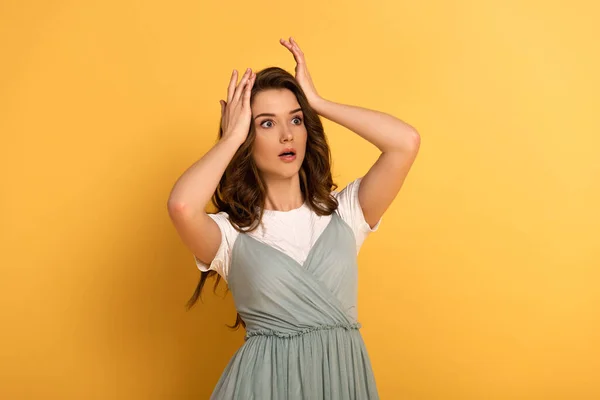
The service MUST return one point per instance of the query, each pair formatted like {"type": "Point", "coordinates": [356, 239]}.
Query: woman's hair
{"type": "Point", "coordinates": [241, 192]}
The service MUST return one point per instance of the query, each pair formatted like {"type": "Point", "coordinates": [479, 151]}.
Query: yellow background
{"type": "Point", "coordinates": [483, 281]}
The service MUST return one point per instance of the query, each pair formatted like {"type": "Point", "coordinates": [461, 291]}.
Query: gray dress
{"type": "Point", "coordinates": [302, 334]}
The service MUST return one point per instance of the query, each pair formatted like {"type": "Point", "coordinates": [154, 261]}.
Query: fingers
{"type": "Point", "coordinates": [223, 121]}
{"type": "Point", "coordinates": [248, 90]}
{"type": "Point", "coordinates": [293, 47]}
{"type": "Point", "coordinates": [297, 48]}
{"type": "Point", "coordinates": [231, 88]}
{"type": "Point", "coordinates": [243, 90]}
{"type": "Point", "coordinates": [288, 46]}
{"type": "Point", "coordinates": [240, 89]}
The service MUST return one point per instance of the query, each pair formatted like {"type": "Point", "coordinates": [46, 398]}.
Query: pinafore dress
{"type": "Point", "coordinates": [302, 334]}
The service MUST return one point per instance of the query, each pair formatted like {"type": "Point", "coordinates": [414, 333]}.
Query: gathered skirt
{"type": "Point", "coordinates": [329, 363]}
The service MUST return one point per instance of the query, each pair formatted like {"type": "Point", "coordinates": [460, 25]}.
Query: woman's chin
{"type": "Point", "coordinates": [282, 173]}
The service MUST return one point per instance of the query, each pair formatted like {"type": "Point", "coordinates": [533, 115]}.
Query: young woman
{"type": "Point", "coordinates": [285, 241]}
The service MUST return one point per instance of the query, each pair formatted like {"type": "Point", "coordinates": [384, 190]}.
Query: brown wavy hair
{"type": "Point", "coordinates": [241, 192]}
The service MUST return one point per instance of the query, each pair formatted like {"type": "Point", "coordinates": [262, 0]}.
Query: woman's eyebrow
{"type": "Point", "coordinates": [273, 115]}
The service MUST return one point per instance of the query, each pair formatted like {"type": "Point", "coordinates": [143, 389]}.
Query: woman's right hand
{"type": "Point", "coordinates": [236, 114]}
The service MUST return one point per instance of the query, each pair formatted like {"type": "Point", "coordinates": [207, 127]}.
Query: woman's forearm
{"type": "Point", "coordinates": [194, 188]}
{"type": "Point", "coordinates": [384, 131]}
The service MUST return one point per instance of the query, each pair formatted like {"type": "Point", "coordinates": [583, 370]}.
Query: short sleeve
{"type": "Point", "coordinates": [351, 212]}
{"type": "Point", "coordinates": [222, 259]}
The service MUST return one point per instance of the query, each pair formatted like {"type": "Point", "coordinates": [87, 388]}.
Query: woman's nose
{"type": "Point", "coordinates": [287, 135]}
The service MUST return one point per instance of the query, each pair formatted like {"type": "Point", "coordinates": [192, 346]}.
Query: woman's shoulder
{"type": "Point", "coordinates": [350, 210]}
{"type": "Point", "coordinates": [348, 192]}
{"type": "Point", "coordinates": [222, 220]}
{"type": "Point", "coordinates": [219, 214]}
{"type": "Point", "coordinates": [220, 217]}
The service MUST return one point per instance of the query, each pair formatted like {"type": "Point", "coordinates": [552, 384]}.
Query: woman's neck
{"type": "Point", "coordinates": [283, 194]}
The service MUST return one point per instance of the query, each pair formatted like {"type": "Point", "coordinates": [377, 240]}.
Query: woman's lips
{"type": "Point", "coordinates": [287, 158]}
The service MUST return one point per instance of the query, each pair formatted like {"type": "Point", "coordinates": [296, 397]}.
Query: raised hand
{"type": "Point", "coordinates": [236, 114]}
{"type": "Point", "coordinates": [302, 75]}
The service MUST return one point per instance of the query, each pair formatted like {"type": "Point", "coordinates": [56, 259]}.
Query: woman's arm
{"type": "Point", "coordinates": [191, 194]}
{"type": "Point", "coordinates": [399, 144]}
{"type": "Point", "coordinates": [194, 188]}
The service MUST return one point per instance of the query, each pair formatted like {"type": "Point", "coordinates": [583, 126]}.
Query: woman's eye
{"type": "Point", "coordinates": [271, 122]}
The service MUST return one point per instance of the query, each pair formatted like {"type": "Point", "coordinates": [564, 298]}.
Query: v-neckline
{"type": "Point", "coordinates": [308, 256]}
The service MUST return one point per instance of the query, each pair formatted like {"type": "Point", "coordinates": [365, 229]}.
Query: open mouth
{"type": "Point", "coordinates": [288, 155]}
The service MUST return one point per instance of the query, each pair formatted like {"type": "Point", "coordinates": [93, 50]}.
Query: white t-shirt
{"type": "Point", "coordinates": [293, 232]}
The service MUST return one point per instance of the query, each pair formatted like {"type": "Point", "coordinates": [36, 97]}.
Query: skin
{"type": "Point", "coordinates": [398, 142]}
{"type": "Point", "coordinates": [274, 133]}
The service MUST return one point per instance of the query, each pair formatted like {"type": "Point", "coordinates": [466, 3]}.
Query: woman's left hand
{"type": "Point", "coordinates": [302, 75]}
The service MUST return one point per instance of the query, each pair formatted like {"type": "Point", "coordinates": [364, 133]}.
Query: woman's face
{"type": "Point", "coordinates": [279, 125]}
